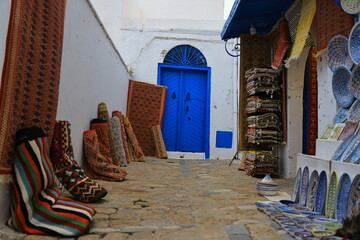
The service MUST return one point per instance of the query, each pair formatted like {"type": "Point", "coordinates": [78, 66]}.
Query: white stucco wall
{"type": "Point", "coordinates": [91, 72]}
{"type": "Point", "coordinates": [4, 187]}
{"type": "Point", "coordinates": [295, 87]}
{"type": "Point", "coordinates": [327, 106]}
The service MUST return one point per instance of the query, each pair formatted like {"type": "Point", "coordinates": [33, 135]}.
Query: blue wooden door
{"type": "Point", "coordinates": [184, 124]}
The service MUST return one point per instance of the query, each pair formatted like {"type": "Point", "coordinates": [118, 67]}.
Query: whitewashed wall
{"type": "Point", "coordinates": [327, 106]}
{"type": "Point", "coordinates": [151, 28]}
{"type": "Point", "coordinates": [295, 87]}
{"type": "Point", "coordinates": [4, 187]}
{"type": "Point", "coordinates": [92, 72]}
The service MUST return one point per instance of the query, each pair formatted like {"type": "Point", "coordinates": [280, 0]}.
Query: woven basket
{"type": "Point", "coordinates": [337, 53]}
{"type": "Point", "coordinates": [354, 43]}
{"type": "Point", "coordinates": [351, 6]}
{"type": "Point", "coordinates": [355, 82]}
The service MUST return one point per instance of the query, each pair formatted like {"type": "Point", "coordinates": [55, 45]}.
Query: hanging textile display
{"type": "Point", "coordinates": [31, 73]}
{"type": "Point", "coordinates": [331, 20]}
{"type": "Point", "coordinates": [255, 52]}
{"type": "Point", "coordinates": [282, 43]}
{"type": "Point", "coordinates": [145, 108]}
{"type": "Point", "coordinates": [307, 14]}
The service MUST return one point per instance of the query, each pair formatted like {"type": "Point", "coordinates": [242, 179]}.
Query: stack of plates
{"type": "Point", "coordinates": [267, 187]}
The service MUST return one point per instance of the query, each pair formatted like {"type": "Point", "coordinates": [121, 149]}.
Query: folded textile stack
{"type": "Point", "coordinates": [267, 120]}
{"type": "Point", "coordinates": [260, 163]}
{"type": "Point", "coordinates": [255, 135]}
{"type": "Point", "coordinates": [262, 71]}
{"type": "Point", "coordinates": [262, 84]}
{"type": "Point", "coordinates": [255, 104]}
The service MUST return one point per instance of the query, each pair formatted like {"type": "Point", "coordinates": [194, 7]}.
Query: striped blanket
{"type": "Point", "coordinates": [36, 205]}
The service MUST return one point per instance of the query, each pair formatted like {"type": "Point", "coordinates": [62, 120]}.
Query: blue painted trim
{"type": "Point", "coordinates": [208, 97]}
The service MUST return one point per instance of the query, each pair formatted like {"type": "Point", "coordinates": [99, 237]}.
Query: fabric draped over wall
{"type": "Point", "coordinates": [331, 20]}
{"type": "Point", "coordinates": [31, 73]}
{"type": "Point", "coordinates": [307, 14]}
{"type": "Point", "coordinates": [145, 108]}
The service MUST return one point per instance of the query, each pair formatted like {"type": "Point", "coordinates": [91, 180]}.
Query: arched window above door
{"type": "Point", "coordinates": [185, 55]}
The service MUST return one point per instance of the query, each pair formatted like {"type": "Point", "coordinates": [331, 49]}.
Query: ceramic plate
{"type": "Point", "coordinates": [296, 188]}
{"type": "Point", "coordinates": [341, 116]}
{"type": "Point", "coordinates": [331, 195]}
{"type": "Point", "coordinates": [304, 186]}
{"type": "Point", "coordinates": [311, 193]}
{"type": "Point", "coordinates": [341, 87]}
{"type": "Point", "coordinates": [353, 207]}
{"type": "Point", "coordinates": [313, 227]}
{"type": "Point", "coordinates": [354, 43]}
{"type": "Point", "coordinates": [337, 53]}
{"type": "Point", "coordinates": [342, 197]}
{"type": "Point", "coordinates": [354, 111]}
{"type": "Point", "coordinates": [350, 127]}
{"type": "Point", "coordinates": [355, 82]}
{"type": "Point", "coordinates": [345, 157]}
{"type": "Point", "coordinates": [323, 233]}
{"type": "Point", "coordinates": [355, 157]}
{"type": "Point", "coordinates": [302, 234]}
{"type": "Point", "coordinates": [351, 6]}
{"type": "Point", "coordinates": [321, 193]}
{"type": "Point", "coordinates": [340, 150]}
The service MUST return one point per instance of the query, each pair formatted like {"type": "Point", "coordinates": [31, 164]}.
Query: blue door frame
{"type": "Point", "coordinates": [207, 70]}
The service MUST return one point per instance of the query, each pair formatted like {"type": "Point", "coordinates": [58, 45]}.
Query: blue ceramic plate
{"type": "Point", "coordinates": [354, 43]}
{"type": "Point", "coordinates": [311, 194]}
{"type": "Point", "coordinates": [355, 157]}
{"type": "Point", "coordinates": [341, 116]}
{"type": "Point", "coordinates": [355, 82]}
{"type": "Point", "coordinates": [353, 207]}
{"type": "Point", "coordinates": [304, 186]}
{"type": "Point", "coordinates": [340, 150]}
{"type": "Point", "coordinates": [343, 197]}
{"type": "Point", "coordinates": [296, 188]}
{"type": "Point", "coordinates": [351, 6]}
{"type": "Point", "coordinates": [354, 111]}
{"type": "Point", "coordinates": [313, 227]}
{"type": "Point", "coordinates": [331, 195]}
{"type": "Point", "coordinates": [345, 157]}
{"type": "Point", "coordinates": [341, 87]}
{"type": "Point", "coordinates": [321, 193]}
{"type": "Point", "coordinates": [338, 53]}
{"type": "Point", "coordinates": [303, 234]}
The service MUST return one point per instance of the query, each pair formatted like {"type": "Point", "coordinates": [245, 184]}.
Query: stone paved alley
{"type": "Point", "coordinates": [179, 199]}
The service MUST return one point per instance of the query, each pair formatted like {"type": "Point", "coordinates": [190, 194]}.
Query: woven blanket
{"type": "Point", "coordinates": [123, 134]}
{"type": "Point", "coordinates": [135, 152]}
{"type": "Point", "coordinates": [119, 146]}
{"type": "Point", "coordinates": [31, 73]}
{"type": "Point", "coordinates": [331, 20]}
{"type": "Point", "coordinates": [145, 108]}
{"type": "Point", "coordinates": [98, 165]}
{"type": "Point", "coordinates": [307, 14]}
{"type": "Point", "coordinates": [159, 142]}
{"type": "Point", "coordinates": [36, 205]}
{"type": "Point", "coordinates": [283, 43]}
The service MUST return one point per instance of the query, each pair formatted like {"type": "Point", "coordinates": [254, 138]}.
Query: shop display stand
{"type": "Point", "coordinates": [263, 132]}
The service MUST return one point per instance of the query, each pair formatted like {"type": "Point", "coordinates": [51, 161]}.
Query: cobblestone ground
{"type": "Point", "coordinates": [179, 199]}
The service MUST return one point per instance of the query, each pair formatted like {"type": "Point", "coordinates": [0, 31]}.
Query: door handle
{"type": "Point", "coordinates": [188, 96]}
{"type": "Point", "coordinates": [173, 96]}
{"type": "Point", "coordinates": [187, 108]}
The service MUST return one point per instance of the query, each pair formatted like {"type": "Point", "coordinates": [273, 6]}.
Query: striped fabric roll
{"type": "Point", "coordinates": [36, 206]}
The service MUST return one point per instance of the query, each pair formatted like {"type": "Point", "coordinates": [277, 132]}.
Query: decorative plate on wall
{"type": "Point", "coordinates": [355, 81]}
{"type": "Point", "coordinates": [340, 150]}
{"type": "Point", "coordinates": [321, 193]}
{"type": "Point", "coordinates": [304, 186]}
{"type": "Point", "coordinates": [341, 116]}
{"type": "Point", "coordinates": [354, 43]}
{"type": "Point", "coordinates": [345, 157]}
{"type": "Point", "coordinates": [350, 127]}
{"type": "Point", "coordinates": [331, 195]}
{"type": "Point", "coordinates": [342, 197]}
{"type": "Point", "coordinates": [341, 87]}
{"type": "Point", "coordinates": [351, 6]}
{"type": "Point", "coordinates": [311, 193]}
{"type": "Point", "coordinates": [353, 207]}
{"type": "Point", "coordinates": [296, 188]}
{"type": "Point", "coordinates": [338, 53]}
{"type": "Point", "coordinates": [354, 111]}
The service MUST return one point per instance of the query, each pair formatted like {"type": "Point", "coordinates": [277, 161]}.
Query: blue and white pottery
{"type": "Point", "coordinates": [343, 197]}
{"type": "Point", "coordinates": [342, 147]}
{"type": "Point", "coordinates": [304, 186]}
{"type": "Point", "coordinates": [341, 87]}
{"type": "Point", "coordinates": [354, 43]}
{"type": "Point", "coordinates": [341, 116]}
{"type": "Point", "coordinates": [321, 193]}
{"type": "Point", "coordinates": [296, 188]}
{"type": "Point", "coordinates": [312, 189]}
{"type": "Point", "coordinates": [337, 54]}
